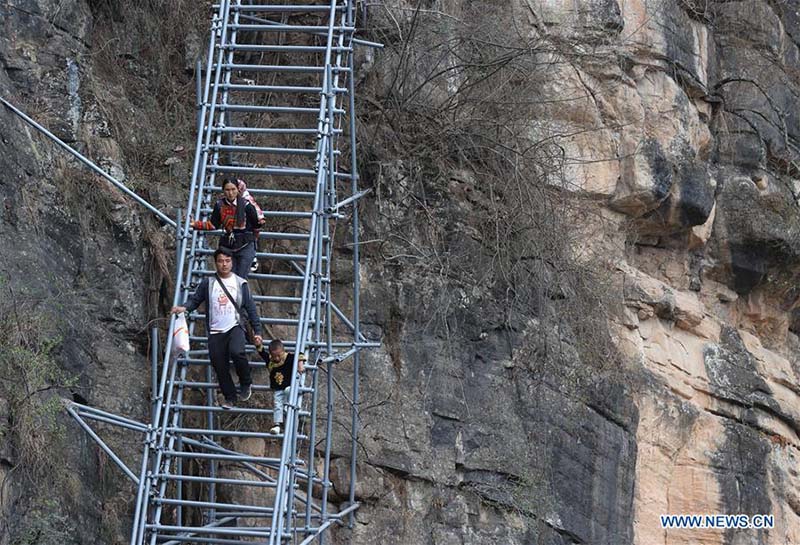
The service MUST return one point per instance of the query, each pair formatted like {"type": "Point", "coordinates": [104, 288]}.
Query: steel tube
{"type": "Point", "coordinates": [122, 187]}
{"type": "Point", "coordinates": [356, 325]}
{"type": "Point", "coordinates": [215, 523]}
{"type": "Point", "coordinates": [278, 518]}
{"type": "Point", "coordinates": [207, 530]}
{"type": "Point", "coordinates": [154, 353]}
{"type": "Point", "coordinates": [216, 505]}
{"type": "Point", "coordinates": [110, 416]}
{"type": "Point", "coordinates": [116, 459]}
{"type": "Point", "coordinates": [137, 534]}
{"type": "Point", "coordinates": [227, 457]}
{"type": "Point", "coordinates": [217, 480]}
{"type": "Point", "coordinates": [134, 427]}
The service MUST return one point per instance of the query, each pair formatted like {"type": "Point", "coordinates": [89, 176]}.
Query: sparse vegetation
{"type": "Point", "coordinates": [32, 425]}
{"type": "Point", "coordinates": [483, 214]}
{"type": "Point", "coordinates": [152, 70]}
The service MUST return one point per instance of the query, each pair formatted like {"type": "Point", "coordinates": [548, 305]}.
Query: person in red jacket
{"type": "Point", "coordinates": [239, 219]}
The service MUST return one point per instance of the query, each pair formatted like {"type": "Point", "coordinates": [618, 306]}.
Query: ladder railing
{"type": "Point", "coordinates": [168, 438]}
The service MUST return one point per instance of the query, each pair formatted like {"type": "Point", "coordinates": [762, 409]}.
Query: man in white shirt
{"type": "Point", "coordinates": [227, 297]}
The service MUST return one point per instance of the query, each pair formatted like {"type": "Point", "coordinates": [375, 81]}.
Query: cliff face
{"type": "Point", "coordinates": [580, 255]}
{"type": "Point", "coordinates": [82, 268]}
{"type": "Point", "coordinates": [675, 128]}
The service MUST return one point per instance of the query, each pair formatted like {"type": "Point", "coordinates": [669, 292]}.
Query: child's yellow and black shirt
{"type": "Point", "coordinates": [280, 373]}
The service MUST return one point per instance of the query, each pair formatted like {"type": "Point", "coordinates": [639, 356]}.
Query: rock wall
{"type": "Point", "coordinates": [82, 274]}
{"type": "Point", "coordinates": [676, 122]}
{"type": "Point", "coordinates": [667, 126]}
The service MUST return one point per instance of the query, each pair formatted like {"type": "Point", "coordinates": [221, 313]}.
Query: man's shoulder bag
{"type": "Point", "coordinates": [245, 320]}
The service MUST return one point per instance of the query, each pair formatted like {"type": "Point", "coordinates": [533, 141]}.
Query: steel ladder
{"type": "Point", "coordinates": [276, 104]}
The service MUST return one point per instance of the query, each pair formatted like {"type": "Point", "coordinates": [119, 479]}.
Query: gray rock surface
{"type": "Point", "coordinates": [494, 412]}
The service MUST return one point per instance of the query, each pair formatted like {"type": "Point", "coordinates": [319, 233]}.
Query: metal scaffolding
{"type": "Point", "coordinates": [275, 102]}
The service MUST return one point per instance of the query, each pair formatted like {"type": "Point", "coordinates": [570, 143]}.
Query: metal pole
{"type": "Point", "coordinates": [210, 420]}
{"type": "Point", "coordinates": [229, 137]}
{"type": "Point", "coordinates": [179, 484]}
{"type": "Point", "coordinates": [312, 441]}
{"type": "Point", "coordinates": [140, 510]}
{"type": "Point", "coordinates": [88, 163]}
{"type": "Point", "coordinates": [103, 446]}
{"type": "Point", "coordinates": [329, 349]}
{"type": "Point", "coordinates": [356, 275]}
{"type": "Point", "coordinates": [198, 74]}
{"type": "Point", "coordinates": [154, 353]}
{"type": "Point", "coordinates": [178, 239]}
{"type": "Point", "coordinates": [179, 468]}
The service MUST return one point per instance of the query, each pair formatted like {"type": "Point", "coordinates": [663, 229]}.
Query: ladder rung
{"type": "Point", "coordinates": [259, 149]}
{"type": "Point", "coordinates": [276, 88]}
{"type": "Point", "coordinates": [269, 109]}
{"type": "Point", "coordinates": [263, 255]}
{"type": "Point", "coordinates": [274, 171]}
{"type": "Point", "coordinates": [196, 540]}
{"type": "Point", "coordinates": [270, 235]}
{"type": "Point", "coordinates": [214, 385]}
{"type": "Point", "coordinates": [213, 504]}
{"type": "Point", "coordinates": [206, 361]}
{"type": "Point", "coordinates": [268, 321]}
{"type": "Point", "coordinates": [215, 456]}
{"type": "Point", "coordinates": [265, 48]}
{"type": "Point", "coordinates": [215, 409]}
{"type": "Point", "coordinates": [288, 28]}
{"type": "Point", "coordinates": [235, 409]}
{"type": "Point", "coordinates": [228, 433]}
{"type": "Point", "coordinates": [279, 321]}
{"type": "Point", "coordinates": [287, 214]}
{"type": "Point", "coordinates": [193, 539]}
{"type": "Point", "coordinates": [287, 344]}
{"type": "Point", "coordinates": [216, 480]}
{"type": "Point", "coordinates": [272, 68]}
{"type": "Point", "coordinates": [265, 130]}
{"type": "Point", "coordinates": [250, 347]}
{"type": "Point", "coordinates": [283, 8]}
{"type": "Point", "coordinates": [284, 257]}
{"type": "Point", "coordinates": [276, 299]}
{"type": "Point", "coordinates": [223, 531]}
{"type": "Point", "coordinates": [283, 236]}
{"type": "Point", "coordinates": [272, 192]}
{"type": "Point", "coordinates": [257, 276]}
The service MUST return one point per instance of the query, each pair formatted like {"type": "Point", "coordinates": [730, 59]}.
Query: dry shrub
{"type": "Point", "coordinates": [477, 179]}
{"type": "Point", "coordinates": [149, 69]}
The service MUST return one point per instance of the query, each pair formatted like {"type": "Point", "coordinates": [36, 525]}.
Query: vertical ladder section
{"type": "Point", "coordinates": [276, 95]}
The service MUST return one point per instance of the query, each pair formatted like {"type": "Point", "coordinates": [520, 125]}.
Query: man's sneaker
{"type": "Point", "coordinates": [245, 392]}
{"type": "Point", "coordinates": [275, 430]}
{"type": "Point", "coordinates": [254, 265]}
{"type": "Point", "coordinates": [227, 404]}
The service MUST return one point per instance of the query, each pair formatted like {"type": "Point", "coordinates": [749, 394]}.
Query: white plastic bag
{"type": "Point", "coordinates": [180, 336]}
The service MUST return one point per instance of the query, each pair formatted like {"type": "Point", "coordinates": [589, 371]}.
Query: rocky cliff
{"type": "Point", "coordinates": [580, 255]}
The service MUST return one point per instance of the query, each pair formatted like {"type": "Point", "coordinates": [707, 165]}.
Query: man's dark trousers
{"type": "Point", "coordinates": [224, 347]}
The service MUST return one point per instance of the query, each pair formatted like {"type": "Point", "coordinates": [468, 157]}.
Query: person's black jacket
{"type": "Point", "coordinates": [239, 222]}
